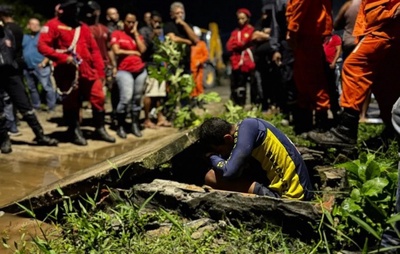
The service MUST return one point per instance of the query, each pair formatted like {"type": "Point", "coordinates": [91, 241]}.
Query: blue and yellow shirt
{"type": "Point", "coordinates": [274, 153]}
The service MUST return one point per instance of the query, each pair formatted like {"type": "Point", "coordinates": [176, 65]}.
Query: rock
{"type": "Point", "coordinates": [334, 178]}
{"type": "Point", "coordinates": [241, 208]}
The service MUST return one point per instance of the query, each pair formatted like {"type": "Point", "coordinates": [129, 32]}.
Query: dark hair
{"type": "Point", "coordinates": [155, 14]}
{"type": "Point", "coordinates": [213, 130]}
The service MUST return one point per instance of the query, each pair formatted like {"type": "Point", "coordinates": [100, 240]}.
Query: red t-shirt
{"type": "Point", "coordinates": [100, 35]}
{"type": "Point", "coordinates": [131, 63]}
{"type": "Point", "coordinates": [330, 44]}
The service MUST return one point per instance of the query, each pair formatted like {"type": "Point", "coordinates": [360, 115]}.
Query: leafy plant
{"type": "Point", "coordinates": [363, 215]}
{"type": "Point", "coordinates": [168, 57]}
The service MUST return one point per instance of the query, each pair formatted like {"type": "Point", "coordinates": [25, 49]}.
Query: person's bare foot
{"type": "Point", "coordinates": [149, 124]}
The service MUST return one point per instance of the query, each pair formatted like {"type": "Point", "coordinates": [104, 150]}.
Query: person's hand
{"type": "Point", "coordinates": [179, 21]}
{"type": "Point", "coordinates": [70, 60]}
{"type": "Point", "coordinates": [277, 58]}
{"type": "Point", "coordinates": [114, 71]}
{"type": "Point", "coordinates": [332, 66]}
{"type": "Point", "coordinates": [134, 28]}
{"type": "Point", "coordinates": [291, 38]}
{"type": "Point", "coordinates": [41, 65]}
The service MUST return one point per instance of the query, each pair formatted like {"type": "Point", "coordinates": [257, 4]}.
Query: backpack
{"type": "Point", "coordinates": [7, 49]}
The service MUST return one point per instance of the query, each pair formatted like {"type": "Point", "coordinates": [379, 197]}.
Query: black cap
{"type": "Point", "coordinates": [6, 10]}
{"type": "Point", "coordinates": [68, 3]}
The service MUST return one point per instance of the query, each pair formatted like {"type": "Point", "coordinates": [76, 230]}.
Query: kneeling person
{"type": "Point", "coordinates": [267, 149]}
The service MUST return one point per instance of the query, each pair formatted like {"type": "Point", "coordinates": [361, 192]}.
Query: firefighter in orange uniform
{"type": "Point", "coordinates": [199, 55]}
{"type": "Point", "coordinates": [308, 22]}
{"type": "Point", "coordinates": [374, 63]}
{"type": "Point", "coordinates": [79, 69]}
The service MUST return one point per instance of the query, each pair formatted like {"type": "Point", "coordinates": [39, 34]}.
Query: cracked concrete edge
{"type": "Point", "coordinates": [106, 173]}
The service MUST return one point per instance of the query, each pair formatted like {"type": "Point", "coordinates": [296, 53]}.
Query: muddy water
{"type": "Point", "coordinates": [20, 176]}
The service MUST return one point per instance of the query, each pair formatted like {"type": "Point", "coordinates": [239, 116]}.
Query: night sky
{"type": "Point", "coordinates": [198, 12]}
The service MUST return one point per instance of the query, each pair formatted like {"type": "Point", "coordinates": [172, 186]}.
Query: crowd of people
{"type": "Point", "coordinates": [74, 58]}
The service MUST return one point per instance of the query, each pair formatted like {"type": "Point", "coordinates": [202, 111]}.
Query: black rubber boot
{"type": "Point", "coordinates": [5, 142]}
{"type": "Point", "coordinates": [98, 121]}
{"type": "Point", "coordinates": [136, 124]}
{"type": "Point", "coordinates": [40, 138]}
{"type": "Point", "coordinates": [303, 120]}
{"type": "Point", "coordinates": [74, 130]}
{"type": "Point", "coordinates": [321, 121]}
{"type": "Point", "coordinates": [121, 123]}
{"type": "Point", "coordinates": [343, 135]}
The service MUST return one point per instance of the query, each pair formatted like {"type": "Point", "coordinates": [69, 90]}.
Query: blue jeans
{"type": "Point", "coordinates": [42, 76]}
{"type": "Point", "coordinates": [131, 89]}
{"type": "Point", "coordinates": [11, 122]}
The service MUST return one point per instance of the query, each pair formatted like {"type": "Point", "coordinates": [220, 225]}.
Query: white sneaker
{"type": "Point", "coordinates": [14, 134]}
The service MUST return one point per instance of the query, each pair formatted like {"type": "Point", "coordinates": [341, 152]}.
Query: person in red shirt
{"type": "Point", "coordinates": [242, 61]}
{"type": "Point", "coordinates": [373, 64]}
{"type": "Point", "coordinates": [333, 49]}
{"type": "Point", "coordinates": [128, 45]}
{"type": "Point", "coordinates": [307, 24]}
{"type": "Point", "coordinates": [100, 34]}
{"type": "Point", "coordinates": [79, 69]}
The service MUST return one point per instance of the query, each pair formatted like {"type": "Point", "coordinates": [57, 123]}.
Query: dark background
{"type": "Point", "coordinates": [198, 12]}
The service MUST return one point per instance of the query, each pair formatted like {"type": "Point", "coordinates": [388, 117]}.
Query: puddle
{"type": "Point", "coordinates": [19, 178]}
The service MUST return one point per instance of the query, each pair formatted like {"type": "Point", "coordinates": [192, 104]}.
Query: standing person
{"type": "Point", "coordinates": [242, 61]}
{"type": "Point", "coordinates": [147, 19]}
{"type": "Point", "coordinates": [254, 156]}
{"type": "Point", "coordinates": [155, 92]}
{"type": "Point", "coordinates": [378, 25]}
{"type": "Point", "coordinates": [307, 23]}
{"type": "Point", "coordinates": [199, 56]}
{"type": "Point", "coordinates": [129, 46]}
{"type": "Point", "coordinates": [112, 16]}
{"type": "Point", "coordinates": [346, 19]}
{"type": "Point", "coordinates": [12, 84]}
{"type": "Point", "coordinates": [114, 23]}
{"type": "Point", "coordinates": [79, 70]}
{"type": "Point", "coordinates": [180, 32]}
{"type": "Point", "coordinates": [333, 49]}
{"type": "Point", "coordinates": [262, 57]}
{"type": "Point", "coordinates": [6, 16]}
{"type": "Point", "coordinates": [38, 69]}
{"type": "Point", "coordinates": [101, 35]}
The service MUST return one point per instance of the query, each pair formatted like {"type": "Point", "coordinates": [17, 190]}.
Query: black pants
{"type": "Point", "coordinates": [11, 82]}
{"type": "Point", "coordinates": [239, 81]}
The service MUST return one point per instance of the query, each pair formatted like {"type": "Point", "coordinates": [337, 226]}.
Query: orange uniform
{"type": "Point", "coordinates": [308, 22]}
{"type": "Point", "coordinates": [374, 63]}
{"type": "Point", "coordinates": [199, 55]}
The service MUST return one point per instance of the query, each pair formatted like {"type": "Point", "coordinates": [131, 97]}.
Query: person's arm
{"type": "Point", "coordinates": [189, 31]}
{"type": "Point", "coordinates": [116, 49]}
{"type": "Point", "coordinates": [337, 55]}
{"type": "Point", "coordinates": [340, 20]}
{"type": "Point", "coordinates": [138, 39]}
{"type": "Point", "coordinates": [178, 39]}
{"type": "Point", "coordinates": [47, 37]}
{"type": "Point", "coordinates": [246, 138]}
{"type": "Point", "coordinates": [95, 52]}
